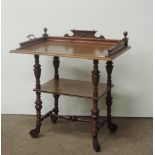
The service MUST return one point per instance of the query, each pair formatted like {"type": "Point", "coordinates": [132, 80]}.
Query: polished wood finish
{"type": "Point", "coordinates": [69, 49]}
{"type": "Point", "coordinates": [29, 43]}
{"type": "Point", "coordinates": [101, 120]}
{"type": "Point", "coordinates": [111, 126]}
{"type": "Point", "coordinates": [38, 103]}
{"type": "Point", "coordinates": [54, 115]}
{"type": "Point", "coordinates": [95, 111]}
{"type": "Point", "coordinates": [56, 63]}
{"type": "Point", "coordinates": [82, 44]}
{"type": "Point", "coordinates": [74, 119]}
{"type": "Point", "coordinates": [72, 88]}
{"type": "Point", "coordinates": [83, 33]}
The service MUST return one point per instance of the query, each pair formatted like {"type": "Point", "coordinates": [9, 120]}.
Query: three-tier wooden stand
{"type": "Point", "coordinates": [85, 45]}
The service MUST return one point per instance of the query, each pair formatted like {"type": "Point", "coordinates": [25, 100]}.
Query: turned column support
{"type": "Point", "coordinates": [38, 103]}
{"type": "Point", "coordinates": [95, 111]}
{"type": "Point", "coordinates": [54, 114]}
{"type": "Point", "coordinates": [109, 67]}
{"type": "Point", "coordinates": [56, 64]}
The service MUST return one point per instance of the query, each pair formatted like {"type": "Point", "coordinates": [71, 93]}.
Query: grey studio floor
{"type": "Point", "coordinates": [133, 137]}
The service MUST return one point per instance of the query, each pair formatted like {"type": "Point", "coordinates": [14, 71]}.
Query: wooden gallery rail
{"type": "Point", "coordinates": [85, 45]}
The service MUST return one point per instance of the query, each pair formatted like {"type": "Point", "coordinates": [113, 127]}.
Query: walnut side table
{"type": "Point", "coordinates": [85, 45]}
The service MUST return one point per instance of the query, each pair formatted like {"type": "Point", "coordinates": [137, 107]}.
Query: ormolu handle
{"type": "Point", "coordinates": [31, 36]}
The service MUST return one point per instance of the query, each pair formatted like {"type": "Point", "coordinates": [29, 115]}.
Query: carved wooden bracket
{"type": "Point", "coordinates": [84, 34]}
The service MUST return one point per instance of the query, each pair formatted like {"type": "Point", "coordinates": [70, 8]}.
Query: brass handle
{"type": "Point", "coordinates": [31, 36]}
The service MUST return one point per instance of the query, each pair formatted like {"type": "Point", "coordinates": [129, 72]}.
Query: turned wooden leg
{"type": "Point", "coordinates": [54, 115]}
{"type": "Point", "coordinates": [38, 103]}
{"type": "Point", "coordinates": [111, 126]}
{"type": "Point", "coordinates": [56, 63]}
{"type": "Point", "coordinates": [95, 111]}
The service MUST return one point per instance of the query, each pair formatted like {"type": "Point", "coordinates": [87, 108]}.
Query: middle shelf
{"type": "Point", "coordinates": [73, 88]}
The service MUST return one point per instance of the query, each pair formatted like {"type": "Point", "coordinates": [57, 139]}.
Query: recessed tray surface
{"type": "Point", "coordinates": [64, 47]}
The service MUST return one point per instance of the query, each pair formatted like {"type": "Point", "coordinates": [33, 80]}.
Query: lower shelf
{"type": "Point", "coordinates": [73, 88]}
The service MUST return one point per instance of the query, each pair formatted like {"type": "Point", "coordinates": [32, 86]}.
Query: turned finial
{"type": "Point", "coordinates": [125, 38]}
{"type": "Point", "coordinates": [66, 35]}
{"type": "Point", "coordinates": [102, 37]}
{"type": "Point", "coordinates": [45, 30]}
{"type": "Point", "coordinates": [45, 33]}
{"type": "Point", "coordinates": [125, 34]}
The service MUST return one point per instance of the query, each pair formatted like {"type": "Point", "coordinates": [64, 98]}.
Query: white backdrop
{"type": "Point", "coordinates": [132, 74]}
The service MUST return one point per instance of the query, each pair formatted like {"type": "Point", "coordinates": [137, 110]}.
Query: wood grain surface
{"type": "Point", "coordinates": [73, 48]}
{"type": "Point", "coordinates": [73, 88]}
